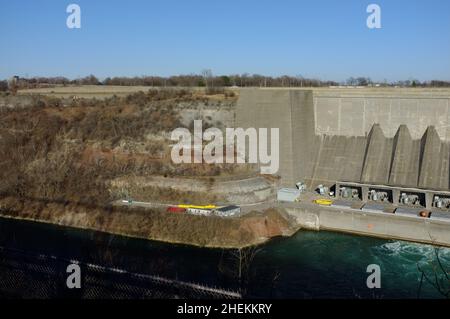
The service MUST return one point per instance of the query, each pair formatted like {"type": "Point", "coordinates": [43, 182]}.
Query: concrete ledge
{"type": "Point", "coordinates": [376, 224]}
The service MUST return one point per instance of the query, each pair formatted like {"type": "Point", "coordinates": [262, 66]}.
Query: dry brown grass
{"type": "Point", "coordinates": [152, 224]}
{"type": "Point", "coordinates": [56, 163]}
{"type": "Point", "coordinates": [109, 91]}
{"type": "Point", "coordinates": [56, 152]}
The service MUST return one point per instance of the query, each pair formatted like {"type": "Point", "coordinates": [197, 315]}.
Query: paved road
{"type": "Point", "coordinates": [245, 208]}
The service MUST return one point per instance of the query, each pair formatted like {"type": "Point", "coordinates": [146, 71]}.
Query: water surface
{"type": "Point", "coordinates": [306, 265]}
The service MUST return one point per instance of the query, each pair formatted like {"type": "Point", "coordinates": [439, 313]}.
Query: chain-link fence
{"type": "Point", "coordinates": [24, 275]}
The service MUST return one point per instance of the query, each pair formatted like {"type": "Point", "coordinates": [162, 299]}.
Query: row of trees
{"type": "Point", "coordinates": [207, 79]}
{"type": "Point", "coordinates": [363, 81]}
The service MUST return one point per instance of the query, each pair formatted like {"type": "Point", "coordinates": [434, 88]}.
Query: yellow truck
{"type": "Point", "coordinates": [197, 206]}
{"type": "Point", "coordinates": [323, 202]}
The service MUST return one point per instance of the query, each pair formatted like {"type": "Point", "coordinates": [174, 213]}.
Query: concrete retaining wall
{"type": "Point", "coordinates": [373, 224]}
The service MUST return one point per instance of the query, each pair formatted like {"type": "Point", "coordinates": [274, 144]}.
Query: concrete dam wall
{"type": "Point", "coordinates": [352, 112]}
{"type": "Point", "coordinates": [389, 137]}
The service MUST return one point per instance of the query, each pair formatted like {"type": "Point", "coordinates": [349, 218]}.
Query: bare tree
{"type": "Point", "coordinates": [351, 81]}
{"type": "Point", "coordinates": [236, 264]}
{"type": "Point", "coordinates": [300, 79]}
{"type": "Point", "coordinates": [207, 77]}
{"type": "Point", "coordinates": [12, 84]}
{"type": "Point", "coordinates": [439, 277]}
{"type": "Point", "coordinates": [244, 258]}
{"type": "Point", "coordinates": [3, 86]}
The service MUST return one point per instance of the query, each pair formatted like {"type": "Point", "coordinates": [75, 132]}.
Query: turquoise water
{"type": "Point", "coordinates": [333, 265]}
{"type": "Point", "coordinates": [306, 265]}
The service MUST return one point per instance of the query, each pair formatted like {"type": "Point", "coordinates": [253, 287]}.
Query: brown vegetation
{"type": "Point", "coordinates": [42, 148]}
{"type": "Point", "coordinates": [152, 224]}
{"type": "Point", "coordinates": [56, 152]}
{"type": "Point", "coordinates": [58, 157]}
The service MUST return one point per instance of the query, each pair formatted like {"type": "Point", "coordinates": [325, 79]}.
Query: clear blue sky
{"type": "Point", "coordinates": [326, 39]}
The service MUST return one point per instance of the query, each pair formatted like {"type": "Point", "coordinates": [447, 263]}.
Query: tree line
{"type": "Point", "coordinates": [366, 81]}
{"type": "Point", "coordinates": [207, 79]}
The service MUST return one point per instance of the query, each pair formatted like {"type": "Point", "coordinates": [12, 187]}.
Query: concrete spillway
{"type": "Point", "coordinates": [398, 139]}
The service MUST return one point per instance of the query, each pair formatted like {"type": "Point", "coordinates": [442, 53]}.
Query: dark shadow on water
{"type": "Point", "coordinates": [306, 265]}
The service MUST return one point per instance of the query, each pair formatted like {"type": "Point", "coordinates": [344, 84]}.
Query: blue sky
{"type": "Point", "coordinates": [325, 39]}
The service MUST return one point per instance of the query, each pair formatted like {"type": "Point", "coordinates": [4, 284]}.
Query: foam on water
{"type": "Point", "coordinates": [408, 250]}
{"type": "Point", "coordinates": [407, 258]}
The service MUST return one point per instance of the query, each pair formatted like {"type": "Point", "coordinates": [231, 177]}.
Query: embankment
{"type": "Point", "coordinates": [214, 232]}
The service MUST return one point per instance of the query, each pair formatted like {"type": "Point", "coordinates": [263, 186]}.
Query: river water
{"type": "Point", "coordinates": [306, 265]}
